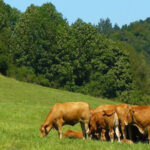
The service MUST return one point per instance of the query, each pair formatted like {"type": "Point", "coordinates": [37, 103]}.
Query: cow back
{"type": "Point", "coordinates": [71, 112]}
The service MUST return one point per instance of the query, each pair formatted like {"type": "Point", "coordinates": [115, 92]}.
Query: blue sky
{"type": "Point", "coordinates": [119, 11]}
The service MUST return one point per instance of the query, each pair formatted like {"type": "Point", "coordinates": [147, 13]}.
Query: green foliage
{"type": "Point", "coordinates": [135, 38]}
{"type": "Point", "coordinates": [83, 37]}
{"type": "Point", "coordinates": [5, 31]}
{"type": "Point", "coordinates": [134, 97]}
{"type": "Point", "coordinates": [22, 73]}
{"type": "Point", "coordinates": [3, 64]}
{"type": "Point", "coordinates": [141, 73]}
{"type": "Point", "coordinates": [105, 26]}
{"type": "Point", "coordinates": [8, 19]}
{"type": "Point", "coordinates": [137, 34]}
{"type": "Point", "coordinates": [75, 58]}
{"type": "Point", "coordinates": [111, 70]}
{"type": "Point", "coordinates": [27, 74]}
{"type": "Point", "coordinates": [39, 42]}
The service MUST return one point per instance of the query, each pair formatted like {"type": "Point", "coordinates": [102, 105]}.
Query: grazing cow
{"type": "Point", "coordinates": [105, 120]}
{"type": "Point", "coordinates": [141, 119]}
{"type": "Point", "coordinates": [67, 113]}
{"type": "Point", "coordinates": [123, 112]}
{"type": "Point", "coordinates": [73, 134]}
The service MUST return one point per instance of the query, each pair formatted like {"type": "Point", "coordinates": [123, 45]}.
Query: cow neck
{"type": "Point", "coordinates": [49, 118]}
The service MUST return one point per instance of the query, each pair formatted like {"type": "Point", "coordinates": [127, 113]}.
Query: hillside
{"type": "Point", "coordinates": [23, 108]}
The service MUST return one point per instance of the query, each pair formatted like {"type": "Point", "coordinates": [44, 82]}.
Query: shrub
{"type": "Point", "coordinates": [22, 74]}
{"type": "Point", "coordinates": [27, 74]}
{"type": "Point", "coordinates": [42, 80]}
{"type": "Point", "coordinates": [4, 64]}
{"type": "Point", "coordinates": [134, 97]}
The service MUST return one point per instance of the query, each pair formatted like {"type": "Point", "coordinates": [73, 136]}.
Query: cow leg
{"type": "Point", "coordinates": [60, 132]}
{"type": "Point", "coordinates": [130, 132]}
{"type": "Point", "coordinates": [103, 137]}
{"type": "Point", "coordinates": [90, 133]}
{"type": "Point", "coordinates": [148, 128]}
{"type": "Point", "coordinates": [123, 131]}
{"type": "Point", "coordinates": [111, 134]}
{"type": "Point", "coordinates": [83, 130]}
{"type": "Point", "coordinates": [59, 124]}
{"type": "Point", "coordinates": [87, 130]}
{"type": "Point", "coordinates": [117, 133]}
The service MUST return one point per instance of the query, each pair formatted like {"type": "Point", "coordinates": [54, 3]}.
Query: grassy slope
{"type": "Point", "coordinates": [23, 108]}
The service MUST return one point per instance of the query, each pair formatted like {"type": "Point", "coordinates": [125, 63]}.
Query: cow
{"type": "Point", "coordinates": [103, 107]}
{"type": "Point", "coordinates": [77, 134]}
{"type": "Point", "coordinates": [125, 117]}
{"type": "Point", "coordinates": [73, 134]}
{"type": "Point", "coordinates": [141, 119]}
{"type": "Point", "coordinates": [102, 121]}
{"type": "Point", "coordinates": [123, 112]}
{"type": "Point", "coordinates": [67, 113]}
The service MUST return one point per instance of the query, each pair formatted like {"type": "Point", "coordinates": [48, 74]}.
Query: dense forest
{"type": "Point", "coordinates": [39, 46]}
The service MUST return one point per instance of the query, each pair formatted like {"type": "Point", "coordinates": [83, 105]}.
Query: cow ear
{"type": "Point", "coordinates": [104, 113]}
{"type": "Point", "coordinates": [47, 128]}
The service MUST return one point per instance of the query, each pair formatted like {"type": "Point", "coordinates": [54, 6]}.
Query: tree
{"type": "Point", "coordinates": [105, 26]}
{"type": "Point", "coordinates": [83, 36]}
{"type": "Point", "coordinates": [40, 42]}
{"type": "Point", "coordinates": [8, 20]}
{"type": "Point", "coordinates": [111, 73]}
{"type": "Point", "coordinates": [116, 28]}
{"type": "Point", "coordinates": [136, 38]}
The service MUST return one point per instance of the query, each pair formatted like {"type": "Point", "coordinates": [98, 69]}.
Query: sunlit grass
{"type": "Point", "coordinates": [23, 108]}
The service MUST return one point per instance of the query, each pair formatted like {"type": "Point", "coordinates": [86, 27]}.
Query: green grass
{"type": "Point", "coordinates": [24, 107]}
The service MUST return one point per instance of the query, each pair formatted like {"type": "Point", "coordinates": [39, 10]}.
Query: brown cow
{"type": "Point", "coordinates": [125, 117]}
{"type": "Point", "coordinates": [123, 112]}
{"type": "Point", "coordinates": [105, 120]}
{"type": "Point", "coordinates": [103, 107]}
{"type": "Point", "coordinates": [67, 113]}
{"type": "Point", "coordinates": [141, 119]}
{"type": "Point", "coordinates": [73, 134]}
{"type": "Point", "coordinates": [76, 134]}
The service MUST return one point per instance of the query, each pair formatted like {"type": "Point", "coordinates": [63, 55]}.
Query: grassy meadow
{"type": "Point", "coordinates": [24, 107]}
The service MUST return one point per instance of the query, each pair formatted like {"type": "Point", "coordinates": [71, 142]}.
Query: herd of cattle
{"type": "Point", "coordinates": [105, 122]}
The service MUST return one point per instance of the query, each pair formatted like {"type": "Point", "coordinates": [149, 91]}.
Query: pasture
{"type": "Point", "coordinates": [24, 107]}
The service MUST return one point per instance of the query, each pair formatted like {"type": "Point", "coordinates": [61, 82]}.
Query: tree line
{"type": "Point", "coordinates": [39, 46]}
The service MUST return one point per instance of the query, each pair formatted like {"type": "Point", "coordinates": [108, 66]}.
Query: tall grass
{"type": "Point", "coordinates": [23, 108]}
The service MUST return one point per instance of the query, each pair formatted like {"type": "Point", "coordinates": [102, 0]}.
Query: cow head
{"type": "Point", "coordinates": [45, 129]}
{"type": "Point", "coordinates": [92, 125]}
